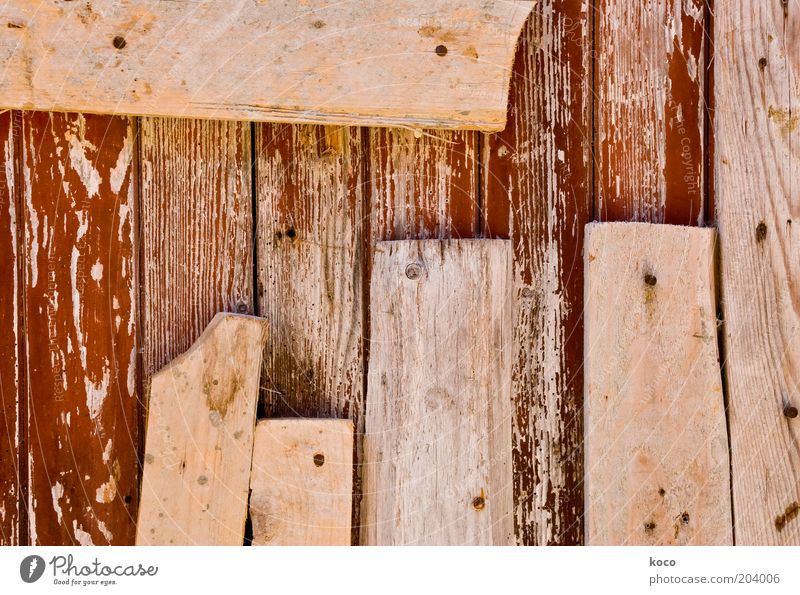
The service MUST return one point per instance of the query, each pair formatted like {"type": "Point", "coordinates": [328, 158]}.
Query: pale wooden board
{"type": "Point", "coordinates": [311, 207]}
{"type": "Point", "coordinates": [439, 402]}
{"type": "Point", "coordinates": [196, 222]}
{"type": "Point", "coordinates": [650, 82]}
{"type": "Point", "coordinates": [301, 488]}
{"type": "Point", "coordinates": [757, 166]}
{"type": "Point", "coordinates": [200, 423]}
{"type": "Point", "coordinates": [326, 62]}
{"type": "Point", "coordinates": [657, 466]}
{"type": "Point", "coordinates": [537, 192]}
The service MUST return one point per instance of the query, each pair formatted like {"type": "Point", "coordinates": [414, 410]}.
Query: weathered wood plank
{"type": "Point", "coordinates": [657, 465]}
{"type": "Point", "coordinates": [79, 308]}
{"type": "Point", "coordinates": [537, 191]}
{"type": "Point", "coordinates": [10, 435]}
{"type": "Point", "coordinates": [649, 111]}
{"type": "Point", "coordinates": [200, 423]}
{"type": "Point", "coordinates": [197, 226]}
{"type": "Point", "coordinates": [757, 166]}
{"type": "Point", "coordinates": [446, 64]}
{"type": "Point", "coordinates": [301, 489]}
{"type": "Point", "coordinates": [423, 185]}
{"type": "Point", "coordinates": [310, 240]}
{"type": "Point", "coordinates": [438, 442]}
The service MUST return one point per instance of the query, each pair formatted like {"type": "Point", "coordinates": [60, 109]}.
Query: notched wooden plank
{"type": "Point", "coordinates": [301, 489]}
{"type": "Point", "coordinates": [657, 465]}
{"type": "Point", "coordinates": [445, 64]}
{"type": "Point", "coordinates": [438, 442]}
{"type": "Point", "coordinates": [199, 447]}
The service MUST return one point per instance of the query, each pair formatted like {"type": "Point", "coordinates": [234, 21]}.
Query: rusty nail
{"type": "Point", "coordinates": [319, 459]}
{"type": "Point", "coordinates": [441, 50]}
{"type": "Point", "coordinates": [413, 271]}
{"type": "Point", "coordinates": [650, 279]}
{"type": "Point", "coordinates": [478, 503]}
{"type": "Point", "coordinates": [119, 42]}
{"type": "Point", "coordinates": [790, 411]}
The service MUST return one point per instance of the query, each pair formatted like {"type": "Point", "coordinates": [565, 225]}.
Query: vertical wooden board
{"type": "Point", "coordinates": [537, 191]}
{"type": "Point", "coordinates": [196, 231]}
{"type": "Point", "coordinates": [757, 165]}
{"type": "Point", "coordinates": [301, 489]}
{"type": "Point", "coordinates": [649, 111]}
{"type": "Point", "coordinates": [657, 466]}
{"type": "Point", "coordinates": [438, 442]}
{"type": "Point", "coordinates": [310, 241]}
{"type": "Point", "coordinates": [9, 339]}
{"type": "Point", "coordinates": [80, 302]}
{"type": "Point", "coordinates": [423, 184]}
{"type": "Point", "coordinates": [200, 423]}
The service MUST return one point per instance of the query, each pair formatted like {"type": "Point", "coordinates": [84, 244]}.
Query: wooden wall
{"type": "Point", "coordinates": [120, 238]}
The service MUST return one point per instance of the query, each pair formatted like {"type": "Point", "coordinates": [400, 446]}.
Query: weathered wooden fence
{"type": "Point", "coordinates": [120, 238]}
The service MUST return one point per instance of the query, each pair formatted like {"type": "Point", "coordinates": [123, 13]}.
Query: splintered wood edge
{"type": "Point", "coordinates": [501, 27]}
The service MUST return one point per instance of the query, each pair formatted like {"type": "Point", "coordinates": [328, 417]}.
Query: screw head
{"type": "Point", "coordinates": [241, 308]}
{"type": "Point", "coordinates": [790, 411]}
{"type": "Point", "coordinates": [414, 271]}
{"type": "Point", "coordinates": [319, 459]}
{"type": "Point", "coordinates": [119, 42]}
{"type": "Point", "coordinates": [441, 50]}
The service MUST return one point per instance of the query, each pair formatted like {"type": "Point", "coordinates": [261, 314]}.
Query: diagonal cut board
{"type": "Point", "coordinates": [442, 63]}
{"type": "Point", "coordinates": [202, 412]}
{"type": "Point", "coordinates": [437, 459]}
{"type": "Point", "coordinates": [657, 467]}
{"type": "Point", "coordinates": [301, 489]}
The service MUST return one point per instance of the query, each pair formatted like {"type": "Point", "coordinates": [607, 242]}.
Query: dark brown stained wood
{"type": "Point", "coordinates": [649, 111]}
{"type": "Point", "coordinates": [311, 216]}
{"type": "Point", "coordinates": [196, 231]}
{"type": "Point", "coordinates": [80, 290]}
{"type": "Point", "coordinates": [9, 338]}
{"type": "Point", "coordinates": [537, 192]}
{"type": "Point", "coordinates": [757, 168]}
{"type": "Point", "coordinates": [423, 184]}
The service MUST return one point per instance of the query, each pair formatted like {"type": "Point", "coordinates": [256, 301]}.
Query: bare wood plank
{"type": "Point", "coordinates": [200, 424]}
{"type": "Point", "coordinates": [301, 489]}
{"type": "Point", "coordinates": [757, 61]}
{"type": "Point", "coordinates": [310, 241]}
{"type": "Point", "coordinates": [80, 303]}
{"type": "Point", "coordinates": [438, 442]}
{"type": "Point", "coordinates": [657, 465]}
{"type": "Point", "coordinates": [537, 191]}
{"type": "Point", "coordinates": [197, 225]}
{"type": "Point", "coordinates": [9, 339]}
{"type": "Point", "coordinates": [444, 65]}
{"type": "Point", "coordinates": [649, 112]}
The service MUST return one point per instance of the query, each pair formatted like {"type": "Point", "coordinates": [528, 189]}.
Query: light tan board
{"type": "Point", "coordinates": [302, 482]}
{"type": "Point", "coordinates": [657, 468]}
{"type": "Point", "coordinates": [200, 438]}
{"type": "Point", "coordinates": [757, 168]}
{"type": "Point", "coordinates": [442, 64]}
{"type": "Point", "coordinates": [438, 442]}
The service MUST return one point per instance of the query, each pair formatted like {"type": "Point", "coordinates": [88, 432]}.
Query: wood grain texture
{"type": "Point", "coordinates": [196, 231]}
{"type": "Point", "coordinates": [79, 308]}
{"type": "Point", "coordinates": [657, 465]}
{"type": "Point", "coordinates": [200, 425]}
{"type": "Point", "coordinates": [446, 64]}
{"type": "Point", "coordinates": [301, 489]}
{"type": "Point", "coordinates": [10, 435]}
{"type": "Point", "coordinates": [310, 242]}
{"type": "Point", "coordinates": [438, 442]}
{"type": "Point", "coordinates": [649, 111]}
{"type": "Point", "coordinates": [536, 191]}
{"type": "Point", "coordinates": [423, 185]}
{"type": "Point", "coordinates": [757, 62]}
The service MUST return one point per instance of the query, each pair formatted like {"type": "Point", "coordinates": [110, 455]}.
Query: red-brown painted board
{"type": "Point", "coordinates": [311, 213]}
{"type": "Point", "coordinates": [195, 232]}
{"type": "Point", "coordinates": [650, 74]}
{"type": "Point", "coordinates": [537, 192]}
{"type": "Point", "coordinates": [79, 295]}
{"type": "Point", "coordinates": [9, 339]}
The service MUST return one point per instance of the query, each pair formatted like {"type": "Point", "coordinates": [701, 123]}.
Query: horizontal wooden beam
{"type": "Point", "coordinates": [442, 63]}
